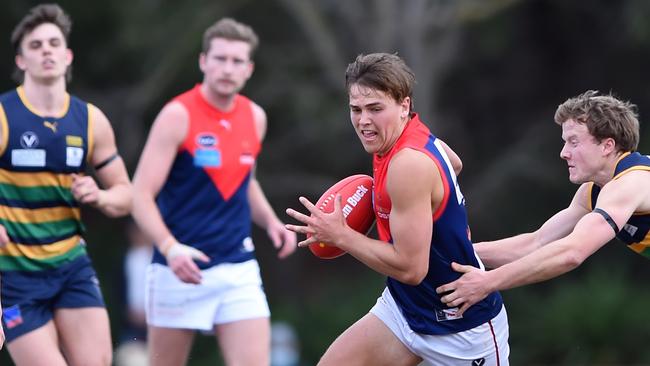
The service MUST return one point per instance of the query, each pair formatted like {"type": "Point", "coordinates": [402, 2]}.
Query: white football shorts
{"type": "Point", "coordinates": [485, 345]}
{"type": "Point", "coordinates": [228, 292]}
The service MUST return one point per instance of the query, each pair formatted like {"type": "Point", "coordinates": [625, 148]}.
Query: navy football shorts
{"type": "Point", "coordinates": [29, 299]}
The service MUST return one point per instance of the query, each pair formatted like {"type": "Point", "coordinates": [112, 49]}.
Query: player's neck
{"type": "Point", "coordinates": [222, 102]}
{"type": "Point", "coordinates": [607, 173]}
{"type": "Point", "coordinates": [46, 98]}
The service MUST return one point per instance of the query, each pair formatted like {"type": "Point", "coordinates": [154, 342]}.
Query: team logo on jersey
{"type": "Point", "coordinates": [28, 140]}
{"type": "Point", "coordinates": [207, 139]}
{"type": "Point", "coordinates": [12, 316]}
{"type": "Point", "coordinates": [51, 125]}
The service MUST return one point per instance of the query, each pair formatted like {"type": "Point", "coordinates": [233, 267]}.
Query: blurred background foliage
{"type": "Point", "coordinates": [490, 75]}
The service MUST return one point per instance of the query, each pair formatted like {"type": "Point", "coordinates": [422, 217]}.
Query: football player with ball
{"type": "Point", "coordinates": [422, 225]}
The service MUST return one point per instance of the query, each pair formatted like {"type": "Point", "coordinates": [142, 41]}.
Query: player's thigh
{"type": "Point", "coordinates": [368, 342]}
{"type": "Point", "coordinates": [245, 342]}
{"type": "Point", "coordinates": [85, 335]}
{"type": "Point", "coordinates": [39, 347]}
{"type": "Point", "coordinates": [169, 346]}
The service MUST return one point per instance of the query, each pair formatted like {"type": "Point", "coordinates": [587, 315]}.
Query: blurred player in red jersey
{"type": "Point", "coordinates": [198, 163]}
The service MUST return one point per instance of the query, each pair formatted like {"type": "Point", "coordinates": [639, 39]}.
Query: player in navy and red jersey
{"type": "Point", "coordinates": [601, 134]}
{"type": "Point", "coordinates": [195, 196]}
{"type": "Point", "coordinates": [422, 227]}
{"type": "Point", "coordinates": [54, 313]}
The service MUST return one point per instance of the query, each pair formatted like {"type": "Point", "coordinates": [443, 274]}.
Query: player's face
{"type": "Point", "coordinates": [377, 118]}
{"type": "Point", "coordinates": [226, 66]}
{"type": "Point", "coordinates": [44, 55]}
{"type": "Point", "coordinates": [582, 152]}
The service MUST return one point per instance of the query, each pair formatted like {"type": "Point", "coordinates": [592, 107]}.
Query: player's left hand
{"type": "Point", "coordinates": [320, 227]}
{"type": "Point", "coordinates": [85, 189]}
{"type": "Point", "coordinates": [283, 240]}
{"type": "Point", "coordinates": [470, 288]}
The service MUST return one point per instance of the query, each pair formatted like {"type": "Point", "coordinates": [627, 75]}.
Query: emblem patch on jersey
{"type": "Point", "coordinates": [207, 139]}
{"type": "Point", "coordinates": [246, 159]}
{"type": "Point", "coordinates": [630, 229]}
{"type": "Point", "coordinates": [28, 140]}
{"type": "Point", "coordinates": [51, 125]}
{"type": "Point", "coordinates": [12, 316]}
{"type": "Point", "coordinates": [28, 157]}
{"type": "Point", "coordinates": [74, 141]}
{"type": "Point", "coordinates": [207, 158]}
{"type": "Point", "coordinates": [73, 156]}
{"type": "Point", "coordinates": [447, 314]}
{"type": "Point", "coordinates": [247, 244]}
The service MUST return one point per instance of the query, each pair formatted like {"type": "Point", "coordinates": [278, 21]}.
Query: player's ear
{"type": "Point", "coordinates": [609, 145]}
{"type": "Point", "coordinates": [202, 57]}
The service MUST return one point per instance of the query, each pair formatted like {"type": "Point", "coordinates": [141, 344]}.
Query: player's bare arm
{"type": "Point", "coordinates": [407, 258]}
{"type": "Point", "coordinates": [167, 133]}
{"type": "Point", "coordinates": [499, 252]}
{"type": "Point", "coordinates": [590, 233]}
{"type": "Point", "coordinates": [114, 198]}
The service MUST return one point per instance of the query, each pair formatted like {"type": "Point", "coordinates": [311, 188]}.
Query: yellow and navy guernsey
{"type": "Point", "coordinates": [38, 155]}
{"type": "Point", "coordinates": [636, 231]}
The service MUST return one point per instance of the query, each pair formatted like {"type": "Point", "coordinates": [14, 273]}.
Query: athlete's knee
{"type": "Point", "coordinates": [92, 358]}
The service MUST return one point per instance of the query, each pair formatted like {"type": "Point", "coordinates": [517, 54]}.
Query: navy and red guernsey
{"type": "Point", "coordinates": [450, 242]}
{"type": "Point", "coordinates": [204, 201]}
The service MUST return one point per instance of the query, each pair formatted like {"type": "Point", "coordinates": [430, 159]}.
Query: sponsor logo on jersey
{"type": "Point", "coordinates": [246, 159]}
{"type": "Point", "coordinates": [447, 314]}
{"type": "Point", "coordinates": [71, 140]}
{"type": "Point", "coordinates": [205, 139]}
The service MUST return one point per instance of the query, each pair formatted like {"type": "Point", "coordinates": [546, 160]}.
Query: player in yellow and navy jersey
{"type": "Point", "coordinates": [600, 134]}
{"type": "Point", "coordinates": [48, 138]}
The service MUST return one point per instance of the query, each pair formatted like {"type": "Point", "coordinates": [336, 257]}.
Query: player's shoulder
{"type": "Point", "coordinates": [174, 110]}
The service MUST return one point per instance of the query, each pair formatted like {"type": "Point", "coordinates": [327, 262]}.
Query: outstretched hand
{"type": "Point", "coordinates": [320, 227]}
{"type": "Point", "coordinates": [470, 288]}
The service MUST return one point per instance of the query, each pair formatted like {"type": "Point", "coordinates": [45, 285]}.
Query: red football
{"type": "Point", "coordinates": [356, 194]}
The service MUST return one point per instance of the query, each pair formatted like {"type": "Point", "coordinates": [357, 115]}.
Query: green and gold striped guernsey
{"type": "Point", "coordinates": [636, 231]}
{"type": "Point", "coordinates": [38, 155]}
